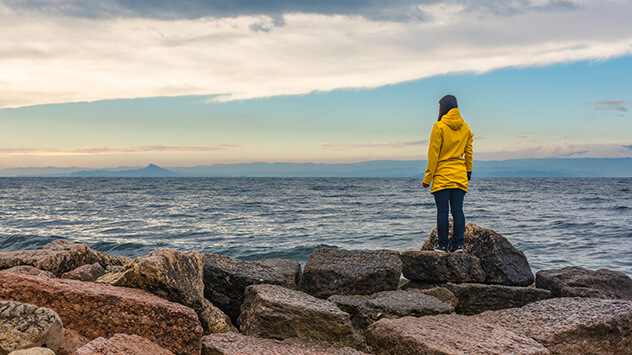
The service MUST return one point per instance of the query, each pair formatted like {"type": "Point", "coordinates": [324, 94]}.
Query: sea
{"type": "Point", "coordinates": [556, 222]}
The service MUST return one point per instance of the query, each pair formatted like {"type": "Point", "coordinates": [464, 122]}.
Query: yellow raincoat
{"type": "Point", "coordinates": [449, 153]}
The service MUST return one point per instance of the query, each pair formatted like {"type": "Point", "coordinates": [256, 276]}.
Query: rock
{"type": "Point", "coordinates": [571, 325]}
{"type": "Point", "coordinates": [72, 342]}
{"type": "Point", "coordinates": [442, 294]}
{"type": "Point", "coordinates": [226, 279]}
{"type": "Point", "coordinates": [271, 311]}
{"type": "Point", "coordinates": [89, 272]}
{"type": "Point", "coordinates": [334, 272]}
{"type": "Point", "coordinates": [96, 310]}
{"type": "Point", "coordinates": [122, 344]}
{"type": "Point", "coordinates": [477, 298]}
{"type": "Point", "coordinates": [365, 310]}
{"type": "Point", "coordinates": [33, 351]}
{"type": "Point", "coordinates": [502, 262]}
{"type": "Point", "coordinates": [59, 257]}
{"type": "Point", "coordinates": [24, 326]}
{"type": "Point", "coordinates": [575, 281]}
{"type": "Point", "coordinates": [429, 266]}
{"type": "Point", "coordinates": [239, 344]}
{"type": "Point", "coordinates": [175, 276]}
{"type": "Point", "coordinates": [447, 334]}
{"type": "Point", "coordinates": [30, 270]}
{"type": "Point", "coordinates": [290, 269]}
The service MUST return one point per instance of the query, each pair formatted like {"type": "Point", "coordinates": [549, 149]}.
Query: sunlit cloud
{"type": "Point", "coordinates": [561, 150]}
{"type": "Point", "coordinates": [375, 145]}
{"type": "Point", "coordinates": [616, 105]}
{"type": "Point", "coordinates": [72, 51]}
{"type": "Point", "coordinates": [83, 151]}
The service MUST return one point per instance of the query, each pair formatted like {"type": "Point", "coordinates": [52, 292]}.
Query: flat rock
{"type": "Point", "coordinates": [239, 344]}
{"type": "Point", "coordinates": [430, 266]}
{"type": "Point", "coordinates": [33, 351]}
{"type": "Point", "coordinates": [30, 270]}
{"type": "Point", "coordinates": [96, 310]}
{"type": "Point", "coordinates": [575, 281]}
{"type": "Point", "coordinates": [24, 326]}
{"type": "Point", "coordinates": [59, 257]}
{"type": "Point", "coordinates": [122, 344]}
{"type": "Point", "coordinates": [226, 279]}
{"type": "Point", "coordinates": [442, 294]}
{"type": "Point", "coordinates": [72, 342]}
{"type": "Point", "coordinates": [89, 272]}
{"type": "Point", "coordinates": [571, 325]}
{"type": "Point", "coordinates": [365, 310]}
{"type": "Point", "coordinates": [290, 269]}
{"type": "Point", "coordinates": [447, 334]}
{"type": "Point", "coordinates": [177, 277]}
{"type": "Point", "coordinates": [334, 272]}
{"type": "Point", "coordinates": [272, 311]}
{"type": "Point", "coordinates": [477, 298]}
{"type": "Point", "coordinates": [502, 263]}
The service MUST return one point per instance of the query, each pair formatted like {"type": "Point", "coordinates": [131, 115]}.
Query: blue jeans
{"type": "Point", "coordinates": [450, 199]}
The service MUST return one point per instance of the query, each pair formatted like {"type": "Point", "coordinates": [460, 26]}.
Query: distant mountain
{"type": "Point", "coordinates": [150, 171]}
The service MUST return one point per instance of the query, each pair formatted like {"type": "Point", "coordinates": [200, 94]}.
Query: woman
{"type": "Point", "coordinates": [449, 170]}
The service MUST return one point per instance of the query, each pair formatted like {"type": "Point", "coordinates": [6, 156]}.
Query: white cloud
{"type": "Point", "coordinates": [93, 151]}
{"type": "Point", "coordinates": [48, 58]}
{"type": "Point", "coordinates": [561, 150]}
{"type": "Point", "coordinates": [374, 145]}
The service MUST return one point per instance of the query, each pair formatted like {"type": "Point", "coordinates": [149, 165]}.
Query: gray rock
{"type": "Point", "coordinates": [575, 281]}
{"type": "Point", "coordinates": [89, 272]}
{"type": "Point", "coordinates": [365, 310]}
{"type": "Point", "coordinates": [33, 351]}
{"type": "Point", "coordinates": [290, 269]}
{"type": "Point", "coordinates": [272, 311]}
{"type": "Point", "coordinates": [30, 270]}
{"type": "Point", "coordinates": [226, 279]}
{"type": "Point", "coordinates": [429, 266]}
{"type": "Point", "coordinates": [59, 257]}
{"type": "Point", "coordinates": [477, 298]}
{"type": "Point", "coordinates": [122, 344]}
{"type": "Point", "coordinates": [24, 326]}
{"type": "Point", "coordinates": [502, 262]}
{"type": "Point", "coordinates": [447, 334]}
{"type": "Point", "coordinates": [571, 325]}
{"type": "Point", "coordinates": [239, 344]}
{"type": "Point", "coordinates": [176, 277]}
{"type": "Point", "coordinates": [334, 272]}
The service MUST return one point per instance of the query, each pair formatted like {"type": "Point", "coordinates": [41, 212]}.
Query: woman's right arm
{"type": "Point", "coordinates": [433, 153]}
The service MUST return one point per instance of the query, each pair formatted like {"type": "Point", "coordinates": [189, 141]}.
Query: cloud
{"type": "Point", "coordinates": [5, 152]}
{"type": "Point", "coordinates": [57, 51]}
{"type": "Point", "coordinates": [561, 150]}
{"type": "Point", "coordinates": [617, 105]}
{"type": "Point", "coordinates": [384, 145]}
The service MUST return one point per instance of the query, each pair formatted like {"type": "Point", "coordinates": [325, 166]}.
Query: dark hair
{"type": "Point", "coordinates": [447, 103]}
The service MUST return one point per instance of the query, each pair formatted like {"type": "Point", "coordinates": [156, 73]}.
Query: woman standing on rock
{"type": "Point", "coordinates": [449, 170]}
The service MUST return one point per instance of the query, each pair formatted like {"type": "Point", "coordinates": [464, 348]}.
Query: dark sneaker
{"type": "Point", "coordinates": [457, 250]}
{"type": "Point", "coordinates": [439, 249]}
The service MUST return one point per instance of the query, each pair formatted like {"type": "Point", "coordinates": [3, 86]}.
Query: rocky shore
{"type": "Point", "coordinates": [68, 299]}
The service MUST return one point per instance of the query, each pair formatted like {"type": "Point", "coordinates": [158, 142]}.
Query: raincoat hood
{"type": "Point", "coordinates": [453, 119]}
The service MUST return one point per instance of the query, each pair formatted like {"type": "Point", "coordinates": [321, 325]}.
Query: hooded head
{"type": "Point", "coordinates": [447, 103]}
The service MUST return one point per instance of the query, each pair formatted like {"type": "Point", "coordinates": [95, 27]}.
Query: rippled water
{"type": "Point", "coordinates": [555, 222]}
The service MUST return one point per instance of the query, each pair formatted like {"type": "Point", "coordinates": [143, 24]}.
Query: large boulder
{"type": "Point", "coordinates": [476, 298]}
{"type": "Point", "coordinates": [72, 342]}
{"type": "Point", "coordinates": [96, 310]}
{"type": "Point", "coordinates": [177, 277]}
{"type": "Point", "coordinates": [290, 269]}
{"type": "Point", "coordinates": [122, 344]}
{"type": "Point", "coordinates": [226, 279]}
{"type": "Point", "coordinates": [334, 272]}
{"type": "Point", "coordinates": [571, 325]}
{"type": "Point", "coordinates": [30, 270]}
{"type": "Point", "coordinates": [272, 311]}
{"type": "Point", "coordinates": [33, 351]}
{"type": "Point", "coordinates": [239, 344]}
{"type": "Point", "coordinates": [447, 334]}
{"type": "Point", "coordinates": [575, 281]}
{"type": "Point", "coordinates": [59, 257]}
{"type": "Point", "coordinates": [429, 266]}
{"type": "Point", "coordinates": [88, 272]}
{"type": "Point", "coordinates": [365, 310]}
{"type": "Point", "coordinates": [24, 326]}
{"type": "Point", "coordinates": [502, 262]}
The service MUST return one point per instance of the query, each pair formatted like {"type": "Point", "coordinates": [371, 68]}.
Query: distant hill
{"type": "Point", "coordinates": [150, 171]}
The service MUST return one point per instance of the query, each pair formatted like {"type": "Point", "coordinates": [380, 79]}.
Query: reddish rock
{"type": "Point", "coordinates": [122, 344]}
{"type": "Point", "coordinates": [447, 334]}
{"type": "Point", "coordinates": [59, 257]}
{"type": "Point", "coordinates": [95, 310]}
{"type": "Point", "coordinates": [429, 266]}
{"type": "Point", "coordinates": [89, 272]}
{"type": "Point", "coordinates": [30, 270]}
{"type": "Point", "coordinates": [72, 342]}
{"type": "Point", "coordinates": [238, 344]}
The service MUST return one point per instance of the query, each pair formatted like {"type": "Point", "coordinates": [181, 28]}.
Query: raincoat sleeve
{"type": "Point", "coordinates": [469, 153]}
{"type": "Point", "coordinates": [436, 140]}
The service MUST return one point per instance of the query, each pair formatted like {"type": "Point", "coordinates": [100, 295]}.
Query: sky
{"type": "Point", "coordinates": [196, 82]}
